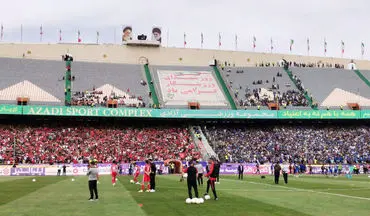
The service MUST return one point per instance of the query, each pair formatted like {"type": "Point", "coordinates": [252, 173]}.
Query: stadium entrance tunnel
{"type": "Point", "coordinates": [178, 165]}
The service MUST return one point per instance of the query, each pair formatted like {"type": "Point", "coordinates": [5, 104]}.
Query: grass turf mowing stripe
{"type": "Point", "coordinates": [11, 178]}
{"type": "Point", "coordinates": [313, 191]}
{"type": "Point", "coordinates": [170, 200]}
{"type": "Point", "coordinates": [305, 201]}
{"type": "Point", "coordinates": [70, 198]}
{"type": "Point", "coordinates": [12, 190]}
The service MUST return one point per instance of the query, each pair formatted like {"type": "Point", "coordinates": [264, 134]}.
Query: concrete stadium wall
{"type": "Point", "coordinates": [110, 53]}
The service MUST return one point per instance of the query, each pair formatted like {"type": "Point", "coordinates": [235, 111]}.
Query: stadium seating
{"type": "Point", "coordinates": [47, 77]}
{"type": "Point", "coordinates": [325, 83]}
{"type": "Point", "coordinates": [51, 144]}
{"type": "Point", "coordinates": [194, 86]}
{"type": "Point", "coordinates": [311, 144]}
{"type": "Point", "coordinates": [253, 87]}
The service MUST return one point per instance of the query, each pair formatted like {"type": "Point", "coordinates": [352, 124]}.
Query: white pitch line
{"type": "Point", "coordinates": [312, 191]}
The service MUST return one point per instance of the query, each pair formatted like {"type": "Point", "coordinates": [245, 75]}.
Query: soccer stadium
{"type": "Point", "coordinates": [138, 127]}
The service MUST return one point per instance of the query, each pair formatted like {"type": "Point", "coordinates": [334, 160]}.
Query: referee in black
{"type": "Point", "coordinates": [153, 169]}
{"type": "Point", "coordinates": [93, 175]}
{"type": "Point", "coordinates": [192, 179]}
{"type": "Point", "coordinates": [277, 169]}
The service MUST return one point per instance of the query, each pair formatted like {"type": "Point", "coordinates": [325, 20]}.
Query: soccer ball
{"type": "Point", "coordinates": [73, 179]}
{"type": "Point", "coordinates": [201, 200]}
{"type": "Point", "coordinates": [188, 201]}
{"type": "Point", "coordinates": [116, 179]}
{"type": "Point", "coordinates": [33, 180]}
{"type": "Point", "coordinates": [207, 197]}
{"type": "Point", "coordinates": [185, 175]}
{"type": "Point", "coordinates": [132, 181]}
{"type": "Point", "coordinates": [194, 200]}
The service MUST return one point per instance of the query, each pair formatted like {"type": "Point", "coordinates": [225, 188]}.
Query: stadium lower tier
{"type": "Point", "coordinates": [49, 144]}
{"type": "Point", "coordinates": [295, 144]}
{"type": "Point", "coordinates": [308, 144]}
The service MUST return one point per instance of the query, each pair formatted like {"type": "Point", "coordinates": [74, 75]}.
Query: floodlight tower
{"type": "Point", "coordinates": [68, 80]}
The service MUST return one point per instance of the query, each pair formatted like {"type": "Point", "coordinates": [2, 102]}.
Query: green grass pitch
{"type": "Point", "coordinates": [306, 195]}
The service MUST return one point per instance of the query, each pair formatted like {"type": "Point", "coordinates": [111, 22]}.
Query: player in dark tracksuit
{"type": "Point", "coordinates": [217, 166]}
{"type": "Point", "coordinates": [212, 174]}
{"type": "Point", "coordinates": [153, 169]}
{"type": "Point", "coordinates": [192, 179]}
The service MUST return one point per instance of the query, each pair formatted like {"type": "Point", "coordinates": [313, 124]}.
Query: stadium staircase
{"type": "Point", "coordinates": [224, 88]}
{"type": "Point", "coordinates": [362, 77]}
{"type": "Point", "coordinates": [202, 143]}
{"type": "Point", "coordinates": [151, 85]}
{"type": "Point", "coordinates": [308, 98]}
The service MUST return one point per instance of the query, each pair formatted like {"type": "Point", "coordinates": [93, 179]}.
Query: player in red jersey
{"type": "Point", "coordinates": [146, 177]}
{"type": "Point", "coordinates": [114, 170]}
{"type": "Point", "coordinates": [136, 173]}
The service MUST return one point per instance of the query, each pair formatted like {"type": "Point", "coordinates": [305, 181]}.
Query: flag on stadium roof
{"type": "Point", "coordinates": [271, 45]}
{"type": "Point", "coordinates": [41, 33]}
{"type": "Point", "coordinates": [79, 36]}
{"type": "Point", "coordinates": [219, 40]}
{"type": "Point", "coordinates": [201, 39]}
{"type": "Point", "coordinates": [291, 45]}
{"type": "Point", "coordinates": [1, 32]}
{"type": "Point", "coordinates": [254, 42]}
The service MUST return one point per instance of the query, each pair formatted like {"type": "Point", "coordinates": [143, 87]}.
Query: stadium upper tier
{"type": "Point", "coordinates": [43, 82]}
{"type": "Point", "coordinates": [334, 87]}
{"type": "Point", "coordinates": [178, 85]}
{"type": "Point", "coordinates": [253, 87]}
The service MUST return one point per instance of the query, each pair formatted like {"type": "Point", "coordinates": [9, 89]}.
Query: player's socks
{"type": "Point", "coordinates": [148, 187]}
{"type": "Point", "coordinates": [142, 187]}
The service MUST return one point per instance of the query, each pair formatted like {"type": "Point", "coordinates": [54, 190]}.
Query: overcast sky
{"type": "Point", "coordinates": [281, 20]}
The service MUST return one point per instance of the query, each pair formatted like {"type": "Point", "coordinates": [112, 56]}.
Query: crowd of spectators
{"type": "Point", "coordinates": [301, 65]}
{"type": "Point", "coordinates": [294, 144]}
{"type": "Point", "coordinates": [259, 96]}
{"type": "Point", "coordinates": [79, 144]}
{"type": "Point", "coordinates": [319, 64]}
{"type": "Point", "coordinates": [97, 98]}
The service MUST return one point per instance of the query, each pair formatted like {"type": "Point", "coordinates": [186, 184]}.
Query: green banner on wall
{"type": "Point", "coordinates": [319, 114]}
{"type": "Point", "coordinates": [182, 113]}
{"type": "Point", "coordinates": [6, 109]}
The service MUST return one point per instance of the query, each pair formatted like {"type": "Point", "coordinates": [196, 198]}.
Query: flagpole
{"type": "Point", "coordinates": [308, 47]}
{"type": "Point", "coordinates": [41, 34]}
{"type": "Point", "coordinates": [114, 36]}
{"type": "Point", "coordinates": [201, 40]}
{"type": "Point", "coordinates": [168, 37]}
{"type": "Point", "coordinates": [2, 32]}
{"type": "Point", "coordinates": [21, 33]}
{"type": "Point", "coordinates": [271, 45]}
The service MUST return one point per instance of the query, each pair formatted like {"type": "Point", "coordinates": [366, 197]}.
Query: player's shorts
{"type": "Point", "coordinates": [146, 178]}
{"type": "Point", "coordinates": [114, 174]}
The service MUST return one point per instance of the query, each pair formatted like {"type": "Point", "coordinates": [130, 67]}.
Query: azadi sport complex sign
{"type": "Point", "coordinates": [182, 113]}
